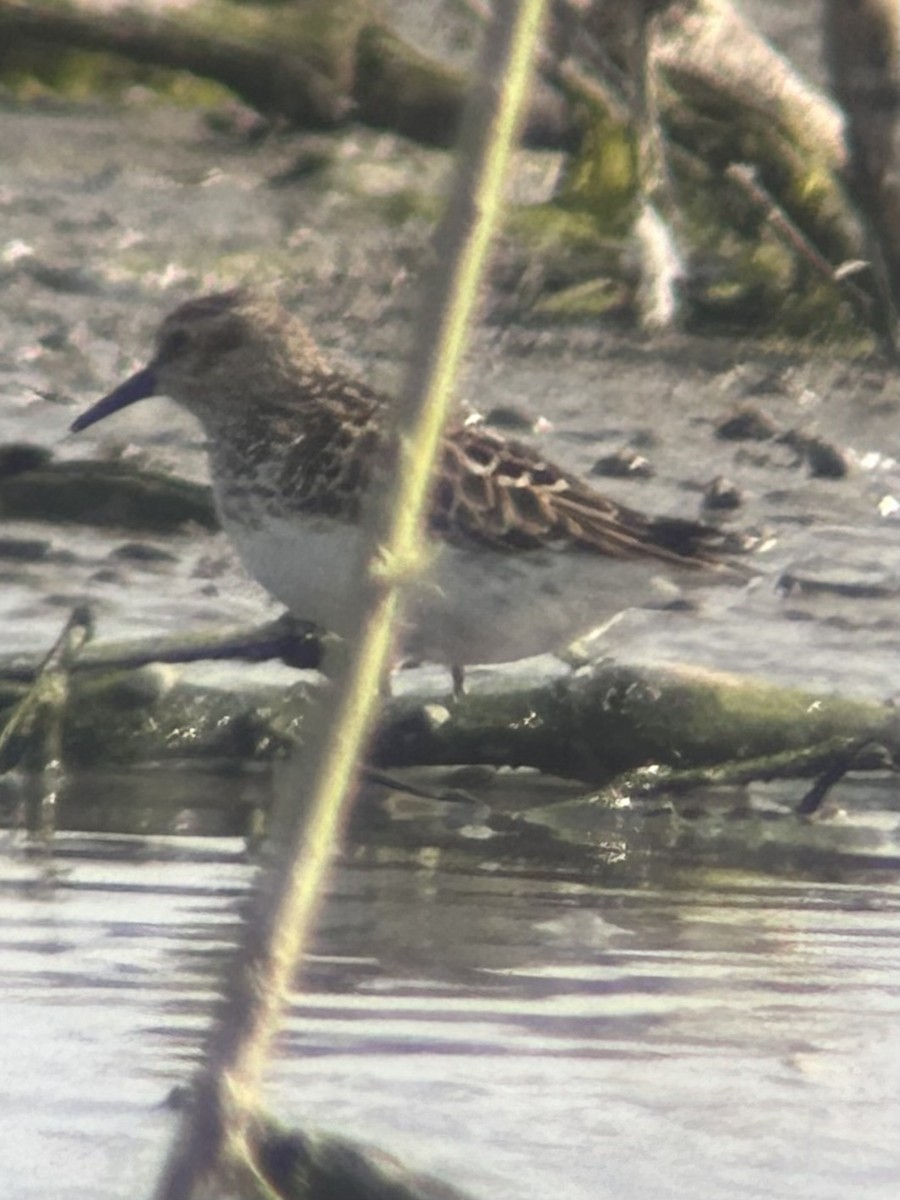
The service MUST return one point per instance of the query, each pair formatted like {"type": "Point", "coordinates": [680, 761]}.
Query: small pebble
{"type": "Point", "coordinates": [240, 121]}
{"type": "Point", "coordinates": [142, 552]}
{"type": "Point", "coordinates": [721, 494]}
{"type": "Point", "coordinates": [623, 464]}
{"type": "Point", "coordinates": [70, 280]}
{"type": "Point", "coordinates": [753, 379]}
{"type": "Point", "coordinates": [24, 549]}
{"type": "Point", "coordinates": [826, 461]}
{"type": "Point", "coordinates": [507, 416]}
{"type": "Point", "coordinates": [106, 575]}
{"type": "Point", "coordinates": [56, 338]}
{"type": "Point", "coordinates": [305, 166]}
{"type": "Point", "coordinates": [747, 424]}
{"type": "Point", "coordinates": [18, 457]}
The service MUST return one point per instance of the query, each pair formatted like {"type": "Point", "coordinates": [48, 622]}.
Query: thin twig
{"type": "Point", "coordinates": [286, 637]}
{"type": "Point", "coordinates": [745, 176]}
{"type": "Point", "coordinates": [49, 687]}
{"type": "Point", "coordinates": [289, 893]}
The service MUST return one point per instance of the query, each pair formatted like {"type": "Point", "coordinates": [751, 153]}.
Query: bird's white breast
{"type": "Point", "coordinates": [475, 604]}
{"type": "Point", "coordinates": [309, 565]}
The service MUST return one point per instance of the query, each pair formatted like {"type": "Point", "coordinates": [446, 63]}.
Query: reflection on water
{"type": "Point", "coordinates": [492, 1008]}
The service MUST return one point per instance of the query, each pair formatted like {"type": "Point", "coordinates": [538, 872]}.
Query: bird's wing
{"type": "Point", "coordinates": [504, 494]}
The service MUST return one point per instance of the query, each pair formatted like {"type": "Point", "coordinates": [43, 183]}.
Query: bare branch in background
{"type": "Point", "coordinates": [862, 44]}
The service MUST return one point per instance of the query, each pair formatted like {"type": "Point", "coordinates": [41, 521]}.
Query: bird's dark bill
{"type": "Point", "coordinates": [140, 386]}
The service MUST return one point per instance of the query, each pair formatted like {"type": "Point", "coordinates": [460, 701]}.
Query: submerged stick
{"type": "Point", "coordinates": [746, 177]}
{"type": "Point", "coordinates": [32, 736]}
{"type": "Point", "coordinates": [49, 689]}
{"type": "Point", "coordinates": [288, 896]}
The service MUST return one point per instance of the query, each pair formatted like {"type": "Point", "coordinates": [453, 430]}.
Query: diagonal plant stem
{"type": "Point", "coordinates": [290, 890]}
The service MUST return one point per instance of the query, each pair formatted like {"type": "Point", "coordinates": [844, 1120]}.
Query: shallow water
{"type": "Point", "coordinates": [514, 1016]}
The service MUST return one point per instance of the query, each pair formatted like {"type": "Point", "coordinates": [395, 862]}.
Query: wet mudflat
{"type": "Point", "coordinates": [689, 1002]}
{"type": "Point", "coordinates": [115, 217]}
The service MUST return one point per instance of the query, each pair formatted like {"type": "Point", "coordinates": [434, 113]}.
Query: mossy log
{"type": "Point", "coordinates": [727, 109]}
{"type": "Point", "coordinates": [317, 65]}
{"type": "Point", "coordinates": [729, 98]}
{"type": "Point", "coordinates": [113, 494]}
{"type": "Point", "coordinates": [290, 60]}
{"type": "Point", "coordinates": [593, 725]}
{"type": "Point", "coordinates": [128, 703]}
{"type": "Point", "coordinates": [322, 64]}
{"type": "Point", "coordinates": [609, 719]}
{"type": "Point", "coordinates": [721, 98]}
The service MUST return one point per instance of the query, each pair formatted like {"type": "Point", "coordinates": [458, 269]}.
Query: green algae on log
{"type": "Point", "coordinates": [594, 725]}
{"type": "Point", "coordinates": [608, 719]}
{"type": "Point", "coordinates": [722, 99]}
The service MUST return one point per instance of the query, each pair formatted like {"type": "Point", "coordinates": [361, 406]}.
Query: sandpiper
{"type": "Point", "coordinates": [527, 555]}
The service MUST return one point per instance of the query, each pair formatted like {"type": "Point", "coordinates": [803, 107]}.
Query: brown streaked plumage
{"type": "Point", "coordinates": [505, 494]}
{"type": "Point", "coordinates": [530, 555]}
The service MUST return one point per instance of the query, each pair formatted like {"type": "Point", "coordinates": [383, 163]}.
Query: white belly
{"type": "Point", "coordinates": [486, 606]}
{"type": "Point", "coordinates": [308, 566]}
{"type": "Point", "coordinates": [473, 606]}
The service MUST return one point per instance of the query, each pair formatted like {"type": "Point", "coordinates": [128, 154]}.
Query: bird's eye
{"type": "Point", "coordinates": [173, 344]}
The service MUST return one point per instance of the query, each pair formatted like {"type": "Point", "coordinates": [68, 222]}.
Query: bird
{"type": "Point", "coordinates": [525, 556]}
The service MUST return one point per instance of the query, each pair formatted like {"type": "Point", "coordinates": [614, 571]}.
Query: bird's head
{"type": "Point", "coordinates": [216, 356]}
